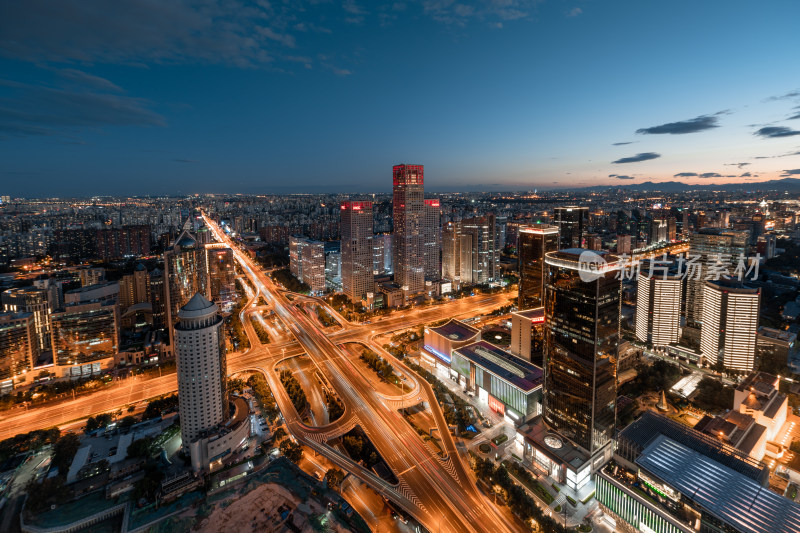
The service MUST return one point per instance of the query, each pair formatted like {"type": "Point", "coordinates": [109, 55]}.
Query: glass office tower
{"type": "Point", "coordinates": [533, 243]}
{"type": "Point", "coordinates": [582, 306]}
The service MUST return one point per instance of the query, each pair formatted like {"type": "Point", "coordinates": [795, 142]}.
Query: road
{"type": "Point", "coordinates": [135, 389]}
{"type": "Point", "coordinates": [438, 492]}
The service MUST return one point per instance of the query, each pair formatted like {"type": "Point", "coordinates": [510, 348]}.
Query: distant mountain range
{"type": "Point", "coordinates": [785, 184]}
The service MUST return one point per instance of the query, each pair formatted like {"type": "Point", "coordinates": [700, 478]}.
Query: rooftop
{"type": "Point", "coordinates": [549, 442]}
{"type": "Point", "coordinates": [729, 495]}
{"type": "Point", "coordinates": [759, 381]}
{"type": "Point", "coordinates": [196, 307]}
{"type": "Point", "coordinates": [644, 431]}
{"type": "Point", "coordinates": [532, 314]}
{"type": "Point", "coordinates": [777, 334]}
{"type": "Point", "coordinates": [455, 330]}
{"type": "Point", "coordinates": [520, 373]}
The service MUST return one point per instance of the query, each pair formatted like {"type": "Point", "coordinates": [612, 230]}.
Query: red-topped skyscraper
{"type": "Point", "coordinates": [408, 240]}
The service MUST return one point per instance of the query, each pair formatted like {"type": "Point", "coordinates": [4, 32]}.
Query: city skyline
{"type": "Point", "coordinates": [250, 99]}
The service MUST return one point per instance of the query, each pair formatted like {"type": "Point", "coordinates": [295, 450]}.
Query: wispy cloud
{"type": "Point", "coordinates": [785, 96]}
{"type": "Point", "coordinates": [83, 78]}
{"type": "Point", "coordinates": [460, 14]}
{"type": "Point", "coordinates": [574, 12]}
{"type": "Point", "coordinates": [694, 125]}
{"type": "Point", "coordinates": [685, 175]}
{"type": "Point", "coordinates": [773, 132]}
{"type": "Point", "coordinates": [740, 165]}
{"type": "Point", "coordinates": [791, 172]}
{"type": "Point", "coordinates": [37, 110]}
{"type": "Point", "coordinates": [623, 143]}
{"type": "Point", "coordinates": [643, 156]}
{"type": "Point", "coordinates": [710, 175]}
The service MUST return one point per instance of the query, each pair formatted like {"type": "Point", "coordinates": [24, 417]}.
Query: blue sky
{"type": "Point", "coordinates": [155, 97]}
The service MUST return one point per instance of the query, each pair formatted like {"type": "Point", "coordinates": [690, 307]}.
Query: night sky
{"type": "Point", "coordinates": [162, 97]}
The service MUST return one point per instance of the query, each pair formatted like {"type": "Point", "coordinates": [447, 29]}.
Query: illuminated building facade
{"type": "Point", "coordinates": [158, 298]}
{"type": "Point", "coordinates": [658, 308]}
{"type": "Point", "coordinates": [85, 333]}
{"type": "Point", "coordinates": [729, 331]}
{"type": "Point", "coordinates": [508, 385]}
{"type": "Point", "coordinates": [707, 247]}
{"type": "Point", "coordinates": [582, 309]}
{"type": "Point", "coordinates": [221, 274]}
{"type": "Point", "coordinates": [39, 302]}
{"type": "Point", "coordinates": [408, 214]}
{"type": "Point", "coordinates": [432, 234]}
{"type": "Point", "coordinates": [185, 274]}
{"type": "Point", "coordinates": [527, 334]}
{"type": "Point", "coordinates": [451, 252]}
{"type": "Point", "coordinates": [202, 367]}
{"type": "Point", "coordinates": [210, 428]}
{"type": "Point", "coordinates": [478, 256]}
{"type": "Point", "coordinates": [19, 348]}
{"type": "Point", "coordinates": [533, 242]}
{"type": "Point", "coordinates": [358, 279]}
{"type": "Point", "coordinates": [307, 262]}
{"type": "Point", "coordinates": [572, 222]}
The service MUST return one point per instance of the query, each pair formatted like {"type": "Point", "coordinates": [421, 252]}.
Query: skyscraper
{"type": "Point", "coordinates": [221, 273]}
{"type": "Point", "coordinates": [730, 324]}
{"type": "Point", "coordinates": [19, 349]}
{"type": "Point", "coordinates": [533, 242]}
{"type": "Point", "coordinates": [358, 280]}
{"type": "Point", "coordinates": [659, 230]}
{"type": "Point", "coordinates": [36, 301]}
{"type": "Point", "coordinates": [382, 254]}
{"type": "Point", "coordinates": [307, 262]}
{"type": "Point", "coordinates": [202, 369]}
{"type": "Point", "coordinates": [478, 258]}
{"type": "Point", "coordinates": [158, 298]}
{"type": "Point", "coordinates": [432, 233]}
{"type": "Point", "coordinates": [83, 333]}
{"type": "Point", "coordinates": [572, 222]}
{"type": "Point", "coordinates": [134, 288]}
{"type": "Point", "coordinates": [408, 209]}
{"type": "Point", "coordinates": [708, 247]}
{"type": "Point", "coordinates": [185, 274]}
{"type": "Point", "coordinates": [451, 252]}
{"type": "Point", "coordinates": [582, 335]}
{"type": "Point", "coordinates": [658, 308]}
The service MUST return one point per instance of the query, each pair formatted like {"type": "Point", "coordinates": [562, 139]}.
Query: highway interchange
{"type": "Point", "coordinates": [439, 492]}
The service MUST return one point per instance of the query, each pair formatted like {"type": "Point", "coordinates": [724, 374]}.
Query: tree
{"type": "Point", "coordinates": [64, 451]}
{"type": "Point", "coordinates": [41, 495]}
{"type": "Point", "coordinates": [97, 422]}
{"type": "Point", "coordinates": [291, 450]}
{"type": "Point", "coordinates": [334, 478]}
{"type": "Point", "coordinates": [140, 448]}
{"type": "Point", "coordinates": [148, 486]}
{"type": "Point", "coordinates": [127, 422]}
{"type": "Point", "coordinates": [353, 445]}
{"type": "Point", "coordinates": [279, 434]}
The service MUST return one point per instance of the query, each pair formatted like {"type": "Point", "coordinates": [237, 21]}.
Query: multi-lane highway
{"type": "Point", "coordinates": [132, 390]}
{"type": "Point", "coordinates": [437, 491]}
